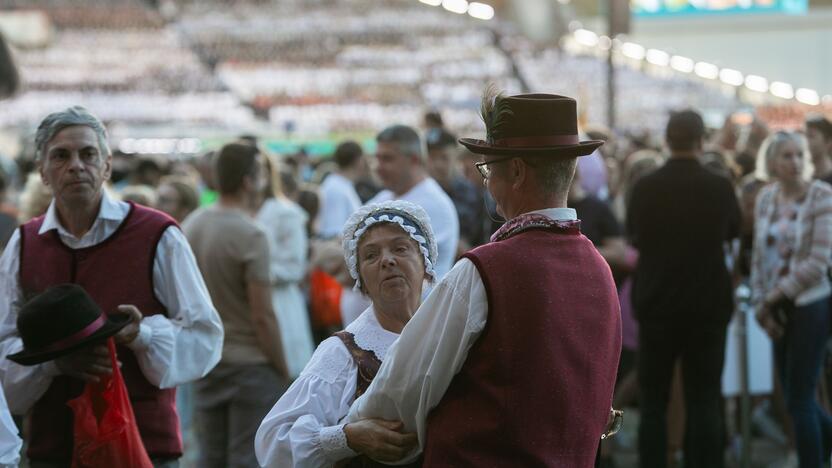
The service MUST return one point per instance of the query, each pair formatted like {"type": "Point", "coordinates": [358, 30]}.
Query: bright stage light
{"type": "Point", "coordinates": [658, 57]}
{"type": "Point", "coordinates": [681, 64]}
{"type": "Point", "coordinates": [731, 77]}
{"type": "Point", "coordinates": [706, 70]}
{"type": "Point", "coordinates": [633, 50]}
{"type": "Point", "coordinates": [756, 83]}
{"type": "Point", "coordinates": [481, 11]}
{"type": "Point", "coordinates": [455, 6]}
{"type": "Point", "coordinates": [586, 37]}
{"type": "Point", "coordinates": [807, 96]}
{"type": "Point", "coordinates": [781, 90]}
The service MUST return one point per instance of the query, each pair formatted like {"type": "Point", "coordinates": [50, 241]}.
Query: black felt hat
{"type": "Point", "coordinates": [60, 320]}
{"type": "Point", "coordinates": [530, 124]}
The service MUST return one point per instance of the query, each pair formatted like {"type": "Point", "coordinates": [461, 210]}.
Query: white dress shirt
{"type": "Point", "coordinates": [338, 201]}
{"type": "Point", "coordinates": [443, 218]}
{"type": "Point", "coordinates": [304, 428]}
{"type": "Point", "coordinates": [180, 347]}
{"type": "Point", "coordinates": [432, 349]}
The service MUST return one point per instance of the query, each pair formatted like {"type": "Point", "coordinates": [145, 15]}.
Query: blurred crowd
{"type": "Point", "coordinates": [778, 238]}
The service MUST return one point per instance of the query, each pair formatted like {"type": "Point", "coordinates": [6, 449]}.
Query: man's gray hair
{"type": "Point", "coordinates": [405, 138]}
{"type": "Point", "coordinates": [554, 176]}
{"type": "Point", "coordinates": [71, 116]}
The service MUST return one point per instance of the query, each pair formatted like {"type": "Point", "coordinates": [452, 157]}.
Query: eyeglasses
{"type": "Point", "coordinates": [485, 171]}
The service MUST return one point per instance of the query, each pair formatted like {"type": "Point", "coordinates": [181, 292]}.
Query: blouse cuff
{"type": "Point", "coordinates": [334, 443]}
{"type": "Point", "coordinates": [142, 341]}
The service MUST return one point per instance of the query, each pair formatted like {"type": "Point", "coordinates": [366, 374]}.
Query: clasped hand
{"type": "Point", "coordinates": [91, 362]}
{"type": "Point", "coordinates": [380, 439]}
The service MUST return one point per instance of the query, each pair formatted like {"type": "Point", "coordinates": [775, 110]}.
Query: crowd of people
{"type": "Point", "coordinates": [277, 287]}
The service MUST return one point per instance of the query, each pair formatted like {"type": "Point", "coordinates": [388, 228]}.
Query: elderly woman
{"type": "Point", "coordinates": [790, 286]}
{"type": "Point", "coordinates": [390, 250]}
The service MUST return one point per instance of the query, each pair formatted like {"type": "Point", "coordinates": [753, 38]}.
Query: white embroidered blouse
{"type": "Point", "coordinates": [304, 427]}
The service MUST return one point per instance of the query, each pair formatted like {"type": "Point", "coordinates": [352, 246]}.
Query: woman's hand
{"type": "Point", "coordinates": [380, 439]}
{"type": "Point", "coordinates": [766, 320]}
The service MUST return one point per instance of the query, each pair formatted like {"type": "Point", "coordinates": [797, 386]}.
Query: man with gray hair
{"type": "Point", "coordinates": [131, 260]}
{"type": "Point", "coordinates": [401, 166]}
{"type": "Point", "coordinates": [511, 359]}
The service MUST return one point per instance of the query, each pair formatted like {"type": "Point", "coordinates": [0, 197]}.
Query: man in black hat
{"type": "Point", "coordinates": [680, 218]}
{"type": "Point", "coordinates": [511, 359]}
{"type": "Point", "coordinates": [130, 259]}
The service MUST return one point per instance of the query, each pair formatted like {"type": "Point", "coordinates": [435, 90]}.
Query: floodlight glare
{"type": "Point", "coordinates": [681, 64]}
{"type": "Point", "coordinates": [781, 90]}
{"type": "Point", "coordinates": [481, 11]}
{"type": "Point", "coordinates": [807, 96]}
{"type": "Point", "coordinates": [455, 6]}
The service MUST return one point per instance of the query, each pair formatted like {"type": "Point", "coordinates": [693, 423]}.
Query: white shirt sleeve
{"type": "Point", "coordinates": [10, 442]}
{"type": "Point", "coordinates": [187, 343]}
{"type": "Point", "coordinates": [431, 350]}
{"type": "Point", "coordinates": [23, 385]}
{"type": "Point", "coordinates": [304, 428]}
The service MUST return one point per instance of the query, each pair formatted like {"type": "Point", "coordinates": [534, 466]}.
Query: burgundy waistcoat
{"type": "Point", "coordinates": [536, 387]}
{"type": "Point", "coordinates": [117, 271]}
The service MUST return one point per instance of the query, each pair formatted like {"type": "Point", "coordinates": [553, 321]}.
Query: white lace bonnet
{"type": "Point", "coordinates": [412, 219]}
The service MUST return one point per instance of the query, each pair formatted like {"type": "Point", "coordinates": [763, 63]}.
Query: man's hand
{"type": "Point", "coordinates": [88, 363]}
{"type": "Point", "coordinates": [380, 439]}
{"type": "Point", "coordinates": [130, 331]}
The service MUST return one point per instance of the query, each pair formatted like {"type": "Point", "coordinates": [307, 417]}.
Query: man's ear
{"type": "Point", "coordinates": [39, 167]}
{"type": "Point", "coordinates": [108, 167]}
{"type": "Point", "coordinates": [519, 171]}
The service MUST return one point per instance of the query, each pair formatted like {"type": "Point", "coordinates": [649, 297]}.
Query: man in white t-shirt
{"type": "Point", "coordinates": [401, 167]}
{"type": "Point", "coordinates": [338, 197]}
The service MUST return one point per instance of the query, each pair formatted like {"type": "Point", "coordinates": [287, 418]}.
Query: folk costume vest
{"type": "Point", "coordinates": [368, 364]}
{"type": "Point", "coordinates": [117, 271]}
{"type": "Point", "coordinates": [536, 387]}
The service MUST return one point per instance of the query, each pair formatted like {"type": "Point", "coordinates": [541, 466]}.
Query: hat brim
{"type": "Point", "coordinates": [583, 148]}
{"type": "Point", "coordinates": [115, 322]}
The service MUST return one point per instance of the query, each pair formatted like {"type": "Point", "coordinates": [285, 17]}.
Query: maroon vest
{"type": "Point", "coordinates": [114, 272]}
{"type": "Point", "coordinates": [536, 387]}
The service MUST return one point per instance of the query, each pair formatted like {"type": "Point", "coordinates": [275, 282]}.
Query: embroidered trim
{"type": "Point", "coordinates": [370, 336]}
{"type": "Point", "coordinates": [526, 222]}
{"type": "Point", "coordinates": [334, 443]}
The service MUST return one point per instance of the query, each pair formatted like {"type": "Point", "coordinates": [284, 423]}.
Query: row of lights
{"type": "Point", "coordinates": [702, 69]}
{"type": "Point", "coordinates": [474, 9]}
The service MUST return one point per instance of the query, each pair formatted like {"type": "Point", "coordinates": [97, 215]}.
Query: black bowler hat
{"type": "Point", "coordinates": [60, 320]}
{"type": "Point", "coordinates": [530, 124]}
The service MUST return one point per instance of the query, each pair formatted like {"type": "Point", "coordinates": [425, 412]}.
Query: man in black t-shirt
{"type": "Point", "coordinates": [679, 218]}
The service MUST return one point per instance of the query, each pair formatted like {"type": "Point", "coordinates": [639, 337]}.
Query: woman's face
{"type": "Point", "coordinates": [787, 165]}
{"type": "Point", "coordinates": [390, 264]}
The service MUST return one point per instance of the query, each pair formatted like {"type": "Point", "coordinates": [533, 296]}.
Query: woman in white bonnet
{"type": "Point", "coordinates": [391, 251]}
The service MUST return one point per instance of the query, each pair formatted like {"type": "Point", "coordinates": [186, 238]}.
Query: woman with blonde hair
{"type": "Point", "coordinates": [790, 284]}
{"type": "Point", "coordinates": [285, 224]}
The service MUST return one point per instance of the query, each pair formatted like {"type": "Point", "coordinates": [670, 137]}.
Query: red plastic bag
{"type": "Point", "coordinates": [325, 300]}
{"type": "Point", "coordinates": [105, 430]}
